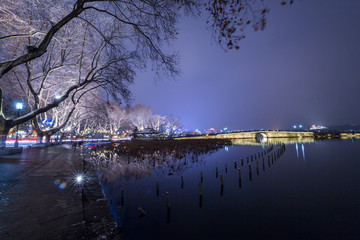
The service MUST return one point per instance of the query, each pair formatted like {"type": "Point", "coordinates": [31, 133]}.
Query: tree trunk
{"type": "Point", "coordinates": [39, 138]}
{"type": "Point", "coordinates": [4, 129]}
{"type": "Point", "coordinates": [47, 138]}
{"type": "Point", "coordinates": [3, 134]}
{"type": "Point", "coordinates": [61, 137]}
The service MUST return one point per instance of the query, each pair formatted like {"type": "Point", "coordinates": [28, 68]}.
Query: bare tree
{"type": "Point", "coordinates": [120, 35]}
{"type": "Point", "coordinates": [123, 37]}
{"type": "Point", "coordinates": [171, 124]}
{"type": "Point", "coordinates": [139, 117]}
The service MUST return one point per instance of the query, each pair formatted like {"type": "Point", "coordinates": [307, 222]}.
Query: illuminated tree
{"type": "Point", "coordinates": [119, 36]}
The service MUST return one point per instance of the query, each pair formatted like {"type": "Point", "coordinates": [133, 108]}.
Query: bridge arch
{"type": "Point", "coordinates": [261, 137]}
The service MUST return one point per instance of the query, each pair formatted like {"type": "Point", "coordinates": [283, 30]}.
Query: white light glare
{"type": "Point", "coordinates": [19, 106]}
{"type": "Point", "coordinates": [79, 179]}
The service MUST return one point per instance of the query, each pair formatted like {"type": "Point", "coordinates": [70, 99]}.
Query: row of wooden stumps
{"type": "Point", "coordinates": [271, 159]}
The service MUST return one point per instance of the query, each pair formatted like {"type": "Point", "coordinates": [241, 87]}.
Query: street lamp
{"type": "Point", "coordinates": [19, 107]}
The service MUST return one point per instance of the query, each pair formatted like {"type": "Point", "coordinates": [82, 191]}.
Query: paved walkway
{"type": "Point", "coordinates": [40, 200]}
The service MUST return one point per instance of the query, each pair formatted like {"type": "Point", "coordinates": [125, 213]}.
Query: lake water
{"type": "Point", "coordinates": [300, 191]}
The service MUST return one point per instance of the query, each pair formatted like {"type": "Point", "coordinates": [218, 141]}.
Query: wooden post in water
{"type": "Point", "coordinates": [242, 162]}
{"type": "Point", "coordinates": [157, 188]}
{"type": "Point", "coordinates": [263, 164]}
{"type": "Point", "coordinates": [201, 177]}
{"type": "Point", "coordinates": [168, 207]}
{"type": "Point", "coordinates": [257, 168]}
{"type": "Point", "coordinates": [217, 172]}
{"type": "Point", "coordinates": [235, 165]}
{"type": "Point", "coordinates": [250, 172]}
{"type": "Point", "coordinates": [182, 182]}
{"type": "Point", "coordinates": [225, 168]}
{"type": "Point", "coordinates": [239, 177]}
{"type": "Point", "coordinates": [122, 197]}
{"type": "Point", "coordinates": [222, 185]}
{"type": "Point", "coordinates": [200, 189]}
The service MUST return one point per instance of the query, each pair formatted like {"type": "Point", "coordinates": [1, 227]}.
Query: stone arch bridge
{"type": "Point", "coordinates": [259, 136]}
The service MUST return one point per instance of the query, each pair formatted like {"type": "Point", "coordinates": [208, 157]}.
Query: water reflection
{"type": "Point", "coordinates": [297, 150]}
{"type": "Point", "coordinates": [219, 188]}
{"type": "Point", "coordinates": [270, 141]}
{"type": "Point", "coordinates": [139, 158]}
{"type": "Point", "coordinates": [303, 151]}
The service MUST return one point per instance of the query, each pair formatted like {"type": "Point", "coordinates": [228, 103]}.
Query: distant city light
{"type": "Point", "coordinates": [300, 126]}
{"type": "Point", "coordinates": [294, 126]}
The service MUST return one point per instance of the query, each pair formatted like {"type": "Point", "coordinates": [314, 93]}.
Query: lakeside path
{"type": "Point", "coordinates": [38, 199]}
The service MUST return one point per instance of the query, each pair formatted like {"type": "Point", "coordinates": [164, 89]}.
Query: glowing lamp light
{"type": "Point", "coordinates": [300, 126]}
{"type": "Point", "coordinates": [19, 105]}
{"type": "Point", "coordinates": [294, 126]}
{"type": "Point", "coordinates": [57, 97]}
{"type": "Point", "coordinates": [79, 179]}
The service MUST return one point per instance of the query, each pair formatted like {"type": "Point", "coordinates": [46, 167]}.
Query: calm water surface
{"type": "Point", "coordinates": [310, 191]}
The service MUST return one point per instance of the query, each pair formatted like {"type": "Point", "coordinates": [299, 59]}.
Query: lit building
{"type": "Point", "coordinates": [314, 127]}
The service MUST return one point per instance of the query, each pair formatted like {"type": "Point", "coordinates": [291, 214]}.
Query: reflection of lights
{"type": "Point", "coordinates": [62, 186]}
{"type": "Point", "coordinates": [226, 148]}
{"type": "Point", "coordinates": [57, 182]}
{"type": "Point", "coordinates": [303, 151]}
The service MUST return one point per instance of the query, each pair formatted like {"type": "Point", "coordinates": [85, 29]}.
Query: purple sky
{"type": "Point", "coordinates": [303, 68]}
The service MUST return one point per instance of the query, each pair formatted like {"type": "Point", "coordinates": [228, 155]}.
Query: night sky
{"type": "Point", "coordinates": [304, 68]}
